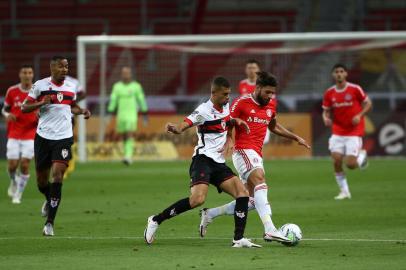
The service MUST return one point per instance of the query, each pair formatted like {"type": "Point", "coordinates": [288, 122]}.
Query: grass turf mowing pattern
{"type": "Point", "coordinates": [105, 201]}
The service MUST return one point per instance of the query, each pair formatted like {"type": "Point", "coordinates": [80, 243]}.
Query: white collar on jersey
{"type": "Point", "coordinates": [342, 89]}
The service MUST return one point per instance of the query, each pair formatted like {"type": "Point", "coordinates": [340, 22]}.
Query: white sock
{"type": "Point", "coordinates": [263, 207]}
{"type": "Point", "coordinates": [361, 158]}
{"type": "Point", "coordinates": [342, 182]}
{"type": "Point", "coordinates": [228, 209]}
{"type": "Point", "coordinates": [22, 180]}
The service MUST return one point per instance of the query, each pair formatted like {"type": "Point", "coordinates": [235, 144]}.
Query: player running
{"type": "Point", "coordinates": [125, 98]}
{"type": "Point", "coordinates": [20, 134]}
{"type": "Point", "coordinates": [56, 99]}
{"type": "Point", "coordinates": [344, 106]}
{"type": "Point", "coordinates": [212, 119]}
{"type": "Point", "coordinates": [259, 111]}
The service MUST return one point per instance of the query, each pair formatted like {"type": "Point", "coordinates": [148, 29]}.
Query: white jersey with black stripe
{"type": "Point", "coordinates": [211, 126]}
{"type": "Point", "coordinates": [55, 118]}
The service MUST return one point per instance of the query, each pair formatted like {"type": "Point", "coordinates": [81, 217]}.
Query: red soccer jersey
{"type": "Point", "coordinates": [246, 87]}
{"type": "Point", "coordinates": [344, 105]}
{"type": "Point", "coordinates": [257, 117]}
{"type": "Point", "coordinates": [26, 124]}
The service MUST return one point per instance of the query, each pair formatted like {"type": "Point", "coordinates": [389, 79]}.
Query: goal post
{"type": "Point", "coordinates": [230, 44]}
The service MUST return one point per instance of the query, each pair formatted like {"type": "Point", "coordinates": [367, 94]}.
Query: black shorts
{"type": "Point", "coordinates": [205, 170]}
{"type": "Point", "coordinates": [49, 151]}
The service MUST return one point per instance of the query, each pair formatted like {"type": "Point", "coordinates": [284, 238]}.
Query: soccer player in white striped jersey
{"type": "Point", "coordinates": [56, 100]}
{"type": "Point", "coordinates": [212, 120]}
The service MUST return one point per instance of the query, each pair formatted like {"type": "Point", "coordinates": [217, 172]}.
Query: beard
{"type": "Point", "coordinates": [263, 101]}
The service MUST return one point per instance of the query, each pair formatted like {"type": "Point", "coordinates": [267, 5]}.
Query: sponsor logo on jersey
{"type": "Point", "coordinates": [257, 120]}
{"type": "Point", "coordinates": [348, 97]}
{"type": "Point", "coordinates": [252, 111]}
{"type": "Point", "coordinates": [342, 104]}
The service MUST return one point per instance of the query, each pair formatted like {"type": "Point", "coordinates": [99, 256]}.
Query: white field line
{"type": "Point", "coordinates": [189, 238]}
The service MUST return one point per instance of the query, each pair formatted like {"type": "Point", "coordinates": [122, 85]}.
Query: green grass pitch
{"type": "Point", "coordinates": [104, 209]}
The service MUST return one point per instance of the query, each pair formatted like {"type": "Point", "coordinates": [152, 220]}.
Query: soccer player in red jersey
{"type": "Point", "coordinates": [247, 86]}
{"type": "Point", "coordinates": [344, 107]}
{"type": "Point", "coordinates": [259, 111]}
{"type": "Point", "coordinates": [20, 134]}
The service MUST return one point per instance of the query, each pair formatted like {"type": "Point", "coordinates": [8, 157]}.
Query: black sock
{"type": "Point", "coordinates": [55, 193]}
{"type": "Point", "coordinates": [174, 210]}
{"type": "Point", "coordinates": [240, 217]}
{"type": "Point", "coordinates": [45, 190]}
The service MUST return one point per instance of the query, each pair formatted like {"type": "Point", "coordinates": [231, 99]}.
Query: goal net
{"type": "Point", "coordinates": [175, 73]}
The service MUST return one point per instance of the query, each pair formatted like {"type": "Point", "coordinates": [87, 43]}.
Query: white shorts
{"type": "Point", "coordinates": [17, 149]}
{"type": "Point", "coordinates": [345, 145]}
{"type": "Point", "coordinates": [245, 161]}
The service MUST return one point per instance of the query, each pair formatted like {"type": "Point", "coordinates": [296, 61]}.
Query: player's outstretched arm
{"type": "Point", "coordinates": [280, 130]}
{"type": "Point", "coordinates": [239, 122]}
{"type": "Point", "coordinates": [177, 128]}
{"type": "Point", "coordinates": [29, 106]}
{"type": "Point", "coordinates": [76, 110]}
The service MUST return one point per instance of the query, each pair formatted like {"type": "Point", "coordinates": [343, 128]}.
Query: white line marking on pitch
{"type": "Point", "coordinates": [185, 238]}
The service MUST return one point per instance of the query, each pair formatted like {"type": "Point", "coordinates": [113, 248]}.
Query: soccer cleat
{"type": "Point", "coordinates": [204, 221]}
{"type": "Point", "coordinates": [364, 157]}
{"type": "Point", "coordinates": [150, 230]}
{"type": "Point", "coordinates": [48, 230]}
{"type": "Point", "coordinates": [17, 198]}
{"type": "Point", "coordinates": [244, 243]}
{"type": "Point", "coordinates": [44, 209]}
{"type": "Point", "coordinates": [343, 195]}
{"type": "Point", "coordinates": [127, 161]}
{"type": "Point", "coordinates": [12, 188]}
{"type": "Point", "coordinates": [276, 236]}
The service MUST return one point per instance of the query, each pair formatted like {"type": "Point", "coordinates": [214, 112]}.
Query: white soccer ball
{"type": "Point", "coordinates": [293, 232]}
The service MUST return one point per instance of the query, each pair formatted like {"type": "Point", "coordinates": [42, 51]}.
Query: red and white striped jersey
{"type": "Point", "coordinates": [54, 119]}
{"type": "Point", "coordinates": [212, 125]}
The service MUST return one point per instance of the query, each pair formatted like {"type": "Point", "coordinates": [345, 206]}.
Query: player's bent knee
{"type": "Point", "coordinates": [352, 165]}
{"type": "Point", "coordinates": [197, 200]}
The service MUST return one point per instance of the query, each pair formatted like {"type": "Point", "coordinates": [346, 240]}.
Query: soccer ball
{"type": "Point", "coordinates": [293, 232]}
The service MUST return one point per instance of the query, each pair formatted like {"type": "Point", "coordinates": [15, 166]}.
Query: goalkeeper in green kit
{"type": "Point", "coordinates": [127, 98]}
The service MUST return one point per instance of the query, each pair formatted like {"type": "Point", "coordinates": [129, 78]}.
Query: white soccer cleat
{"type": "Point", "coordinates": [48, 230]}
{"type": "Point", "coordinates": [12, 188]}
{"type": "Point", "coordinates": [17, 198]}
{"type": "Point", "coordinates": [363, 155]}
{"type": "Point", "coordinates": [44, 209]}
{"type": "Point", "coordinates": [276, 236]}
{"type": "Point", "coordinates": [205, 220]}
{"type": "Point", "coordinates": [244, 243]}
{"type": "Point", "coordinates": [343, 195]}
{"type": "Point", "coordinates": [150, 230]}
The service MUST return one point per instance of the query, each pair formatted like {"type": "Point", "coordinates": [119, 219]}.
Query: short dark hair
{"type": "Point", "coordinates": [26, 66]}
{"type": "Point", "coordinates": [57, 58]}
{"type": "Point", "coordinates": [266, 79]}
{"type": "Point", "coordinates": [339, 65]}
{"type": "Point", "coordinates": [252, 61]}
{"type": "Point", "coordinates": [219, 82]}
